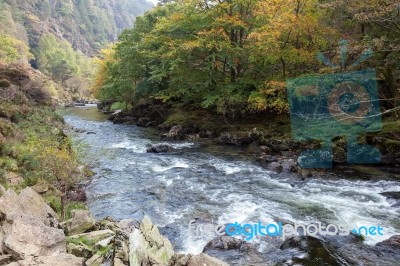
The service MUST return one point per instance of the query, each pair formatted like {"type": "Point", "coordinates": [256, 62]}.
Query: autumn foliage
{"type": "Point", "coordinates": [234, 56]}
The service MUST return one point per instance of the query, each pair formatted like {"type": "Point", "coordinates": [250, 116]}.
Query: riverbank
{"type": "Point", "coordinates": [32, 235]}
{"type": "Point", "coordinates": [268, 135]}
{"type": "Point", "coordinates": [43, 214]}
{"type": "Point", "coordinates": [34, 150]}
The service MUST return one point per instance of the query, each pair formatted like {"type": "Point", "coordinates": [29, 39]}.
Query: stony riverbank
{"type": "Point", "coordinates": [43, 217]}
{"type": "Point", "coordinates": [268, 138]}
{"type": "Point", "coordinates": [31, 234]}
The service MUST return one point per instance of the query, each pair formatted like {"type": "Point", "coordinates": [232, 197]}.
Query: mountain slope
{"type": "Point", "coordinates": [86, 24]}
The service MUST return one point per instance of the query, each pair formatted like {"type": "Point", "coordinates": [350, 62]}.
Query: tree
{"type": "Point", "coordinates": [56, 163]}
{"type": "Point", "coordinates": [13, 50]}
{"type": "Point", "coordinates": [219, 55]}
{"type": "Point", "coordinates": [373, 24]}
{"type": "Point", "coordinates": [102, 64]}
{"type": "Point", "coordinates": [57, 58]}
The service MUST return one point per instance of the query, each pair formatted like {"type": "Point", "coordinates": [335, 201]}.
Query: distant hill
{"type": "Point", "coordinates": [61, 37]}
{"type": "Point", "coordinates": [86, 24]}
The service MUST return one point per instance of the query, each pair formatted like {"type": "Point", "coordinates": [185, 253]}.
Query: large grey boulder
{"type": "Point", "coordinates": [80, 222]}
{"type": "Point", "coordinates": [28, 226]}
{"type": "Point", "coordinates": [28, 202]}
{"type": "Point", "coordinates": [224, 243]}
{"type": "Point", "coordinates": [147, 246]}
{"type": "Point", "coordinates": [25, 235]}
{"type": "Point", "coordinates": [61, 260]}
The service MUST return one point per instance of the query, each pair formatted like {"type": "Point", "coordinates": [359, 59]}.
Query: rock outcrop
{"type": "Point", "coordinates": [175, 133]}
{"type": "Point", "coordinates": [80, 222]}
{"type": "Point", "coordinates": [147, 246]}
{"type": "Point", "coordinates": [29, 233]}
{"type": "Point", "coordinates": [28, 202]}
{"type": "Point", "coordinates": [61, 260]}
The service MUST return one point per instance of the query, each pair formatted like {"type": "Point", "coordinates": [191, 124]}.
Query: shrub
{"type": "Point", "coordinates": [4, 83]}
{"type": "Point", "coordinates": [120, 106]}
{"type": "Point", "coordinates": [55, 162]}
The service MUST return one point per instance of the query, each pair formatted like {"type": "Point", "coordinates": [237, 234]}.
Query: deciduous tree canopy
{"type": "Point", "coordinates": [235, 55]}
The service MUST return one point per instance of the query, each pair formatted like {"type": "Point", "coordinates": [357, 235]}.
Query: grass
{"type": "Point", "coordinates": [103, 251]}
{"type": "Point", "coordinates": [81, 240]}
{"type": "Point", "coordinates": [91, 245]}
{"type": "Point", "coordinates": [54, 201]}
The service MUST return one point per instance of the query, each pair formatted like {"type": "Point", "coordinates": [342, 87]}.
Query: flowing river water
{"type": "Point", "coordinates": [218, 183]}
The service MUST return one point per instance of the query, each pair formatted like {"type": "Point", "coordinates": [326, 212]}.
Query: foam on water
{"type": "Point", "coordinates": [182, 145]}
{"type": "Point", "coordinates": [178, 187]}
{"type": "Point", "coordinates": [136, 147]}
{"type": "Point", "coordinates": [230, 168]}
{"type": "Point", "coordinates": [176, 163]}
{"type": "Point", "coordinates": [238, 212]}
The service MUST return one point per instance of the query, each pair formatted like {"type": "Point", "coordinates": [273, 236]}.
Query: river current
{"type": "Point", "coordinates": [217, 183]}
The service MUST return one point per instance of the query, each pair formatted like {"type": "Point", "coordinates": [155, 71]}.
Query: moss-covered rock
{"type": "Point", "coordinates": [148, 246]}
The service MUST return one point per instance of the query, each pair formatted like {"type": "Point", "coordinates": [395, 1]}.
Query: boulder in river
{"type": "Point", "coordinates": [393, 242]}
{"type": "Point", "coordinates": [160, 148]}
{"type": "Point", "coordinates": [299, 242]}
{"type": "Point", "coordinates": [204, 259]}
{"type": "Point", "coordinates": [224, 242]}
{"type": "Point", "coordinates": [393, 197]}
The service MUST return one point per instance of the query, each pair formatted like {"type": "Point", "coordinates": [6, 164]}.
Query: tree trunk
{"type": "Point", "coordinates": [392, 85]}
{"type": "Point", "coordinates": [63, 207]}
{"type": "Point", "coordinates": [283, 67]}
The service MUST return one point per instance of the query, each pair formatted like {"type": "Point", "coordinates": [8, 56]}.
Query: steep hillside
{"type": "Point", "coordinates": [60, 37]}
{"type": "Point", "coordinates": [86, 24]}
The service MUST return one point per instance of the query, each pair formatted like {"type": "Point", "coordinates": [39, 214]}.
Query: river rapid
{"type": "Point", "coordinates": [219, 184]}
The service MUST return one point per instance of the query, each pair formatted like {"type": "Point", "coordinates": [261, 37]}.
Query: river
{"type": "Point", "coordinates": [217, 183]}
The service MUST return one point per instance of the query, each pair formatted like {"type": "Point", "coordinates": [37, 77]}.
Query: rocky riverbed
{"type": "Point", "coordinates": [175, 181]}
{"type": "Point", "coordinates": [30, 234]}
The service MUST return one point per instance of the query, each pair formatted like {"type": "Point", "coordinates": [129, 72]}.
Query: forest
{"type": "Point", "coordinates": [233, 57]}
